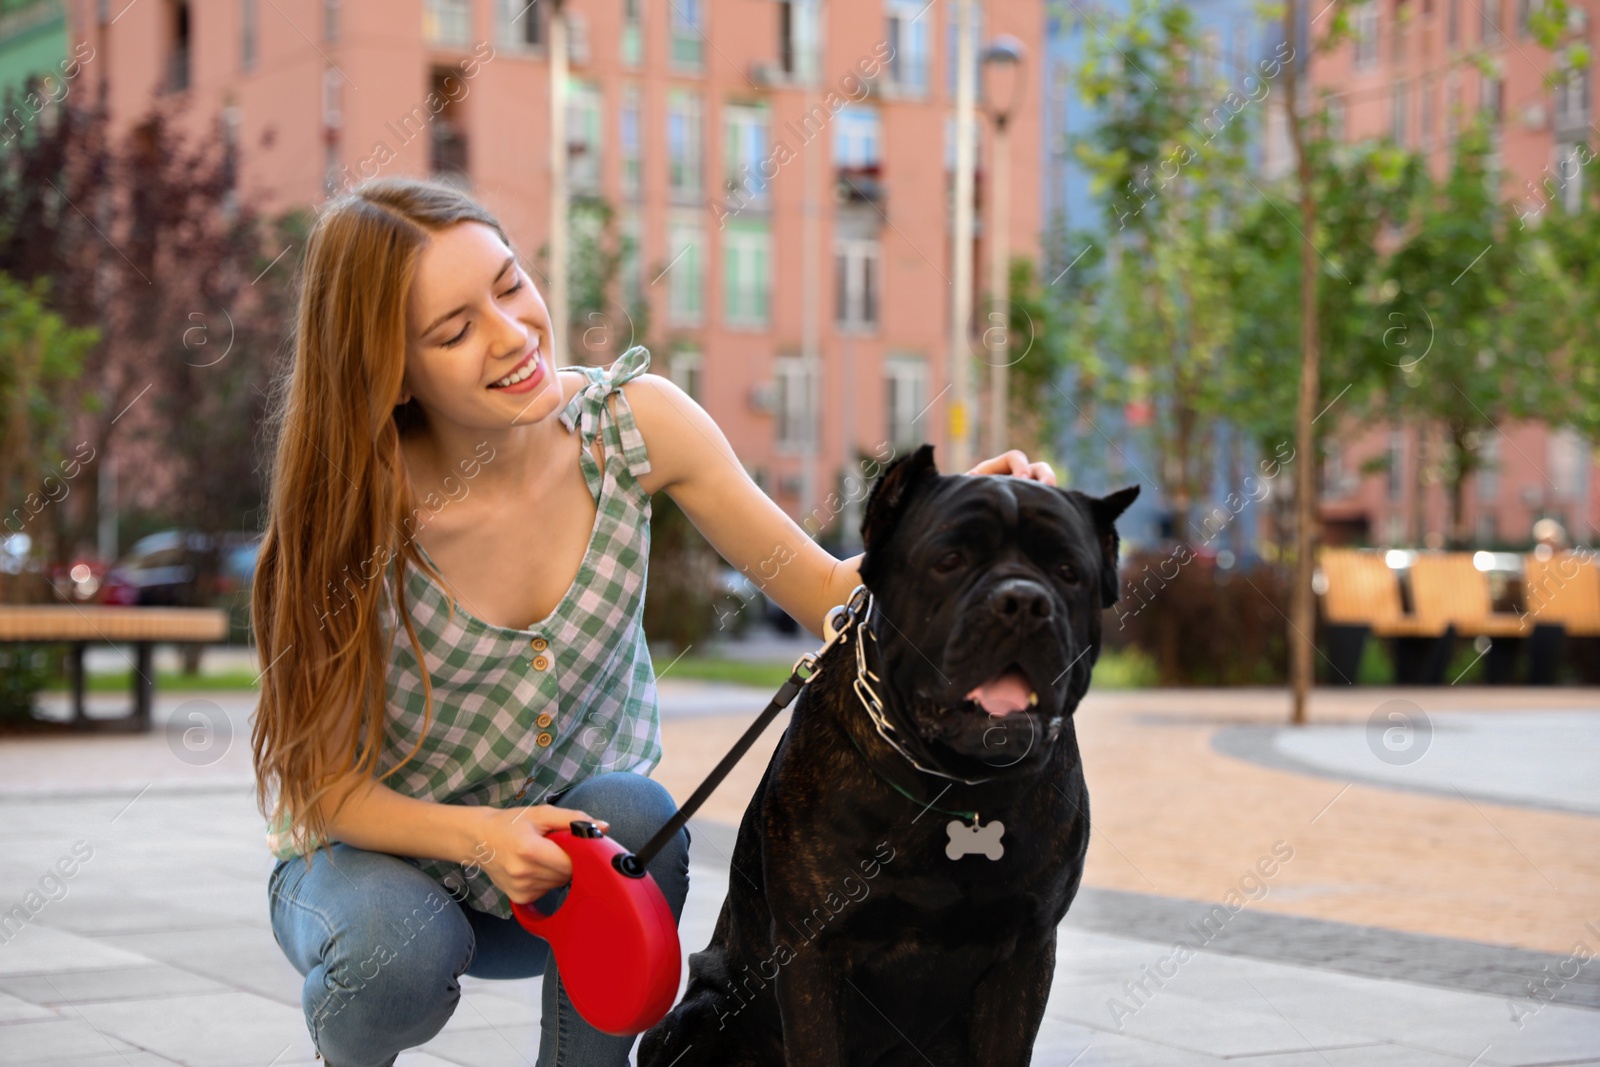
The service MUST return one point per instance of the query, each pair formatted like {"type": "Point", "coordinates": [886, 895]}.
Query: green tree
{"type": "Point", "coordinates": [1038, 344]}
{"type": "Point", "coordinates": [1169, 157]}
{"type": "Point", "coordinates": [142, 234]}
{"type": "Point", "coordinates": [1487, 287]}
{"type": "Point", "coordinates": [1573, 241]}
{"type": "Point", "coordinates": [40, 360]}
{"type": "Point", "coordinates": [1364, 192]}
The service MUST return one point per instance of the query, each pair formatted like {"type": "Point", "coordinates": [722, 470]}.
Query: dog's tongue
{"type": "Point", "coordinates": [1002, 694]}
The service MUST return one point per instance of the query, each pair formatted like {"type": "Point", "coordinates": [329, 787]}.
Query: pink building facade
{"type": "Point", "coordinates": [1410, 73]}
{"type": "Point", "coordinates": [695, 122]}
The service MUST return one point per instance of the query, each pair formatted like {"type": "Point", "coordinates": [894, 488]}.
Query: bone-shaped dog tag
{"type": "Point", "coordinates": [982, 840]}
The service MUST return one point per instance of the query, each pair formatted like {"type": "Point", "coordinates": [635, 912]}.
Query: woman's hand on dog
{"type": "Point", "coordinates": [514, 852]}
{"type": "Point", "coordinates": [1015, 463]}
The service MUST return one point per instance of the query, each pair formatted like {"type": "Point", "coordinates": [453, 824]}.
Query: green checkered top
{"type": "Point", "coordinates": [492, 685]}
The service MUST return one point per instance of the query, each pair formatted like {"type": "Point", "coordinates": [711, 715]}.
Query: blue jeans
{"type": "Point", "coordinates": [332, 920]}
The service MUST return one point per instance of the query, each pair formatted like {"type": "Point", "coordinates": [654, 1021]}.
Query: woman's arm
{"type": "Point", "coordinates": [507, 843]}
{"type": "Point", "coordinates": [692, 460]}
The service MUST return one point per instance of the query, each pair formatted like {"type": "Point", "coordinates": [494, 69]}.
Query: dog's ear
{"type": "Point", "coordinates": [890, 494]}
{"type": "Point", "coordinates": [1104, 510]}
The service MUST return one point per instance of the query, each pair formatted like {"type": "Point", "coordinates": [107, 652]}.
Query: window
{"type": "Point", "coordinates": [1335, 118]}
{"type": "Point", "coordinates": [1243, 57]}
{"type": "Point", "coordinates": [856, 277]}
{"type": "Point", "coordinates": [908, 37]}
{"type": "Point", "coordinates": [1395, 475]}
{"type": "Point", "coordinates": [1397, 115]}
{"type": "Point", "coordinates": [1210, 52]}
{"type": "Point", "coordinates": [1568, 176]}
{"type": "Point", "coordinates": [1488, 486]}
{"type": "Point", "coordinates": [683, 368]}
{"type": "Point", "coordinates": [951, 45]}
{"type": "Point", "coordinates": [520, 24]}
{"type": "Point", "coordinates": [231, 118]}
{"type": "Point", "coordinates": [330, 165]}
{"type": "Point", "coordinates": [797, 39]}
{"type": "Point", "coordinates": [178, 50]}
{"type": "Point", "coordinates": [683, 146]}
{"type": "Point", "coordinates": [1572, 99]}
{"type": "Point", "coordinates": [1524, 18]}
{"type": "Point", "coordinates": [632, 32]}
{"type": "Point", "coordinates": [332, 84]}
{"type": "Point", "coordinates": [1489, 22]}
{"type": "Point", "coordinates": [1565, 464]}
{"type": "Point", "coordinates": [1425, 119]}
{"type": "Point", "coordinates": [744, 151]}
{"type": "Point", "coordinates": [950, 143]}
{"type": "Point", "coordinates": [792, 403]}
{"type": "Point", "coordinates": [631, 265]}
{"type": "Point", "coordinates": [330, 21]}
{"type": "Point", "coordinates": [1491, 96]}
{"type": "Point", "coordinates": [1452, 108]}
{"type": "Point", "coordinates": [685, 248]}
{"type": "Point", "coordinates": [687, 33]}
{"type": "Point", "coordinates": [857, 137]}
{"type": "Point", "coordinates": [448, 158]}
{"type": "Point", "coordinates": [447, 23]}
{"type": "Point", "coordinates": [248, 20]}
{"type": "Point", "coordinates": [906, 391]}
{"type": "Point", "coordinates": [1364, 33]}
{"type": "Point", "coordinates": [747, 272]}
{"type": "Point", "coordinates": [584, 111]}
{"type": "Point", "coordinates": [1452, 23]}
{"type": "Point", "coordinates": [1336, 477]}
{"type": "Point", "coordinates": [630, 146]}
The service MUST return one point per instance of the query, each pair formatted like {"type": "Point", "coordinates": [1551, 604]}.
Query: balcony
{"type": "Point", "coordinates": [178, 70]}
{"type": "Point", "coordinates": [861, 186]}
{"type": "Point", "coordinates": [448, 151]}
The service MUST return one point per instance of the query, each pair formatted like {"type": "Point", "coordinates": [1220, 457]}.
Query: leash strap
{"type": "Point", "coordinates": [839, 622]}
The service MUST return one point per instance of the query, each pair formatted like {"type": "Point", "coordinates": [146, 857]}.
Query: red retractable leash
{"type": "Point", "coordinates": [614, 938]}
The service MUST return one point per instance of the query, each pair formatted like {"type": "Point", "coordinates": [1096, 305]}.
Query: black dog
{"type": "Point", "coordinates": [879, 913]}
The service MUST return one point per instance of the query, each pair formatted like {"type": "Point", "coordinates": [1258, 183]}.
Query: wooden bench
{"type": "Point", "coordinates": [1564, 591]}
{"type": "Point", "coordinates": [1361, 595]}
{"type": "Point", "coordinates": [1448, 588]}
{"type": "Point", "coordinates": [76, 626]}
{"type": "Point", "coordinates": [1364, 590]}
{"type": "Point", "coordinates": [1562, 596]}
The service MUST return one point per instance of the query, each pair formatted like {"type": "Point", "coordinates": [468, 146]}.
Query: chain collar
{"type": "Point", "coordinates": [857, 614]}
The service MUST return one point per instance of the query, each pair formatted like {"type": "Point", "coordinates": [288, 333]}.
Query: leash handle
{"type": "Point", "coordinates": [836, 626]}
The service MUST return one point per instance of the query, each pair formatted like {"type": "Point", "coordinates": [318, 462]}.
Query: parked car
{"type": "Point", "coordinates": [80, 581]}
{"type": "Point", "coordinates": [163, 569]}
{"type": "Point", "coordinates": [735, 601]}
{"type": "Point", "coordinates": [739, 601]}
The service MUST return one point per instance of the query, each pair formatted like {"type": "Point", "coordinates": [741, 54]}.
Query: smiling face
{"type": "Point", "coordinates": [478, 334]}
{"type": "Point", "coordinates": [990, 590]}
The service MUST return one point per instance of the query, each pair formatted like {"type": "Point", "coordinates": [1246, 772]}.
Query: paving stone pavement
{"type": "Point", "coordinates": [160, 951]}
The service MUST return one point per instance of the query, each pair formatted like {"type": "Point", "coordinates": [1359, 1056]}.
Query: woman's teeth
{"type": "Point", "coordinates": [521, 373]}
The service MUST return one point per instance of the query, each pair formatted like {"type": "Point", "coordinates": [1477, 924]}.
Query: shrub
{"type": "Point", "coordinates": [681, 578]}
{"type": "Point", "coordinates": [1202, 624]}
{"type": "Point", "coordinates": [24, 671]}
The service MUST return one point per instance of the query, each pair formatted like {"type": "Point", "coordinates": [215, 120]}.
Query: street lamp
{"type": "Point", "coordinates": [1004, 58]}
{"type": "Point", "coordinates": [556, 293]}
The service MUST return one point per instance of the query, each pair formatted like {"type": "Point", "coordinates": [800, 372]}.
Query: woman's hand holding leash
{"type": "Point", "coordinates": [513, 852]}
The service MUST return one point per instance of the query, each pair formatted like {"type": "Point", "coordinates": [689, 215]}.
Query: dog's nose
{"type": "Point", "coordinates": [1018, 599]}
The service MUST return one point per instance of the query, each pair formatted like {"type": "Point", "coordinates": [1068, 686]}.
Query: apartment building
{"type": "Point", "coordinates": [1417, 71]}
{"type": "Point", "coordinates": [703, 128]}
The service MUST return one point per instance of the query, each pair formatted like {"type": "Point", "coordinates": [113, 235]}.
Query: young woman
{"type": "Point", "coordinates": [422, 376]}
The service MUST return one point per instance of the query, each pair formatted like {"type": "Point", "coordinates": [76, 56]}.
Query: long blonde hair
{"type": "Point", "coordinates": [339, 498]}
